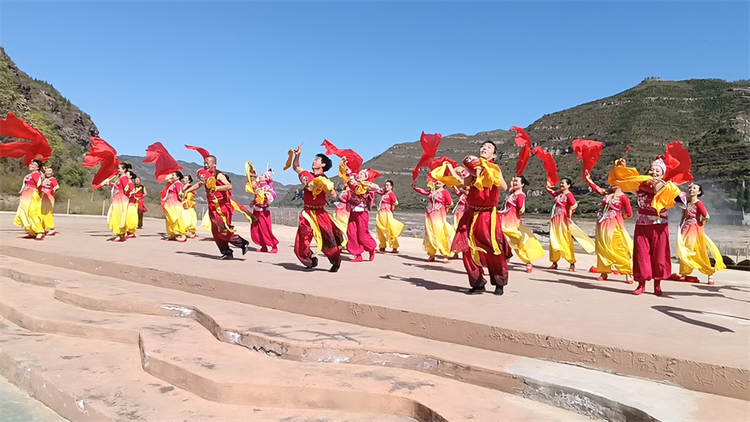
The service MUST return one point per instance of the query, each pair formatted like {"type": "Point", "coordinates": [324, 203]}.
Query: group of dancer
{"type": "Point", "coordinates": [482, 235]}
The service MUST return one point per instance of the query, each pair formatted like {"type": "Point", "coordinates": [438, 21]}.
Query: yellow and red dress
{"type": "Point", "coordinates": [562, 229]}
{"type": "Point", "coordinates": [693, 245]}
{"type": "Point", "coordinates": [173, 210]}
{"type": "Point", "coordinates": [48, 189]}
{"type": "Point", "coordinates": [389, 229]}
{"type": "Point", "coordinates": [139, 194]}
{"type": "Point", "coordinates": [438, 234]}
{"type": "Point", "coordinates": [131, 216]}
{"type": "Point", "coordinates": [29, 214]}
{"type": "Point", "coordinates": [340, 215]}
{"type": "Point", "coordinates": [221, 208]}
{"type": "Point", "coordinates": [117, 214]}
{"type": "Point", "coordinates": [189, 216]}
{"type": "Point", "coordinates": [520, 238]}
{"type": "Point", "coordinates": [614, 246]}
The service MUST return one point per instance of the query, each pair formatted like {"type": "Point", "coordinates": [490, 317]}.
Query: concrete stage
{"type": "Point", "coordinates": [393, 337]}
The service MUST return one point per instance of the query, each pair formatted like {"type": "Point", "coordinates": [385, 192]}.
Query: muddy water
{"type": "Point", "coordinates": [17, 406]}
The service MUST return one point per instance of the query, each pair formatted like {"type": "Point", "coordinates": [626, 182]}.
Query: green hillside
{"type": "Point", "coordinates": [708, 116]}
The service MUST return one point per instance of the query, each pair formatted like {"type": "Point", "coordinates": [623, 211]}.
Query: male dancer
{"type": "Point", "coordinates": [479, 235]}
{"type": "Point", "coordinates": [314, 221]}
{"type": "Point", "coordinates": [220, 210]}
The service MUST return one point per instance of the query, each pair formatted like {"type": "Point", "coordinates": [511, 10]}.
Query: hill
{"type": "Point", "coordinates": [710, 117]}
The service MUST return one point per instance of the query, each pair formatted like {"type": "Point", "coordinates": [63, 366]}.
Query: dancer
{"type": "Point", "coordinates": [261, 229]}
{"type": "Point", "coordinates": [655, 194]}
{"type": "Point", "coordinates": [562, 229]}
{"type": "Point", "coordinates": [614, 247]}
{"type": "Point", "coordinates": [340, 215]}
{"type": "Point", "coordinates": [461, 204]}
{"type": "Point", "coordinates": [520, 238]}
{"type": "Point", "coordinates": [438, 234]}
{"type": "Point", "coordinates": [48, 189]}
{"type": "Point", "coordinates": [29, 214]}
{"type": "Point", "coordinates": [220, 208]}
{"type": "Point", "coordinates": [693, 245]}
{"type": "Point", "coordinates": [189, 216]}
{"type": "Point", "coordinates": [131, 216]}
{"type": "Point", "coordinates": [117, 213]}
{"type": "Point", "coordinates": [361, 189]}
{"type": "Point", "coordinates": [140, 193]}
{"type": "Point", "coordinates": [389, 229]}
{"type": "Point", "coordinates": [480, 237]}
{"type": "Point", "coordinates": [314, 221]}
{"type": "Point", "coordinates": [172, 205]}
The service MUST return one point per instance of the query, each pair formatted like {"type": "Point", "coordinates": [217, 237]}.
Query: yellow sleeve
{"type": "Point", "coordinates": [491, 175]}
{"type": "Point", "coordinates": [320, 184]}
{"type": "Point", "coordinates": [442, 174]}
{"type": "Point", "coordinates": [342, 172]}
{"type": "Point", "coordinates": [248, 172]}
{"type": "Point", "coordinates": [665, 197]}
{"type": "Point", "coordinates": [627, 178]}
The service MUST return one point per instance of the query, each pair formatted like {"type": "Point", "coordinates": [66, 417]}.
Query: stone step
{"type": "Point", "coordinates": [308, 339]}
{"type": "Point", "coordinates": [184, 354]}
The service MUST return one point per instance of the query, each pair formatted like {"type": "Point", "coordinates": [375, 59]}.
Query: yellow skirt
{"type": "Point", "coordinates": [189, 219]}
{"type": "Point", "coordinates": [175, 225]}
{"type": "Point", "coordinates": [117, 216]}
{"type": "Point", "coordinates": [693, 247]}
{"type": "Point", "coordinates": [131, 218]}
{"type": "Point", "coordinates": [562, 231]}
{"type": "Point", "coordinates": [389, 229]}
{"type": "Point", "coordinates": [438, 234]}
{"type": "Point", "coordinates": [48, 219]}
{"type": "Point", "coordinates": [521, 239]}
{"type": "Point", "coordinates": [29, 214]}
{"type": "Point", "coordinates": [614, 247]}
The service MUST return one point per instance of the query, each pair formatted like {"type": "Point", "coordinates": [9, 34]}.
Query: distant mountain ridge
{"type": "Point", "coordinates": [710, 117]}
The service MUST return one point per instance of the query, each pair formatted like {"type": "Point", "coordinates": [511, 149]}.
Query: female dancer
{"type": "Point", "coordinates": [651, 254]}
{"type": "Point", "coordinates": [389, 229]}
{"type": "Point", "coordinates": [172, 205]}
{"type": "Point", "coordinates": [692, 242]}
{"type": "Point", "coordinates": [189, 217]}
{"type": "Point", "coordinates": [340, 215]}
{"type": "Point", "coordinates": [48, 189]}
{"type": "Point", "coordinates": [520, 238]}
{"type": "Point", "coordinates": [614, 247]}
{"type": "Point", "coordinates": [261, 229]}
{"type": "Point", "coordinates": [29, 214]}
{"type": "Point", "coordinates": [438, 234]}
{"type": "Point", "coordinates": [117, 214]}
{"type": "Point", "coordinates": [359, 239]}
{"type": "Point", "coordinates": [131, 215]}
{"type": "Point", "coordinates": [562, 230]}
{"type": "Point", "coordinates": [140, 193]}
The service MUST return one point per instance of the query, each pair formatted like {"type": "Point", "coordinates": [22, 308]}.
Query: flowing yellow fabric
{"type": "Point", "coordinates": [206, 222]}
{"type": "Point", "coordinates": [438, 234]}
{"type": "Point", "coordinates": [693, 248]}
{"type": "Point", "coordinates": [117, 216]}
{"type": "Point", "coordinates": [442, 174]}
{"type": "Point", "coordinates": [211, 183]}
{"type": "Point", "coordinates": [490, 175]}
{"type": "Point", "coordinates": [174, 223]}
{"type": "Point", "coordinates": [522, 240]}
{"type": "Point", "coordinates": [249, 217]}
{"type": "Point", "coordinates": [29, 214]}
{"type": "Point", "coordinates": [342, 171]}
{"type": "Point", "coordinates": [561, 235]}
{"type": "Point", "coordinates": [249, 171]}
{"type": "Point", "coordinates": [289, 159]}
{"type": "Point", "coordinates": [389, 229]}
{"type": "Point", "coordinates": [131, 218]}
{"type": "Point", "coordinates": [47, 214]}
{"type": "Point", "coordinates": [582, 238]}
{"type": "Point", "coordinates": [614, 247]}
{"type": "Point", "coordinates": [475, 250]}
{"type": "Point", "coordinates": [341, 219]}
{"type": "Point", "coordinates": [628, 179]}
{"type": "Point", "coordinates": [321, 184]}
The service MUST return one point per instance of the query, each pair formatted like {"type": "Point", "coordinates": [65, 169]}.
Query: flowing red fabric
{"type": "Point", "coordinates": [678, 164]}
{"type": "Point", "coordinates": [101, 152]}
{"type": "Point", "coordinates": [549, 165]}
{"type": "Point", "coordinates": [372, 175]}
{"type": "Point", "coordinates": [165, 164]}
{"type": "Point", "coordinates": [353, 160]}
{"type": "Point", "coordinates": [13, 127]}
{"type": "Point", "coordinates": [430, 143]}
{"type": "Point", "coordinates": [202, 151]}
{"type": "Point", "coordinates": [523, 141]}
{"type": "Point", "coordinates": [588, 152]}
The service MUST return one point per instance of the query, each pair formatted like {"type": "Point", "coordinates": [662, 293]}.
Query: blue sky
{"type": "Point", "coordinates": [250, 80]}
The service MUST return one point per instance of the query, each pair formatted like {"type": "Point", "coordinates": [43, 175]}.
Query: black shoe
{"type": "Point", "coordinates": [476, 290]}
{"type": "Point", "coordinates": [227, 256]}
{"type": "Point", "coordinates": [245, 247]}
{"type": "Point", "coordinates": [335, 267]}
{"type": "Point", "coordinates": [498, 291]}
{"type": "Point", "coordinates": [314, 262]}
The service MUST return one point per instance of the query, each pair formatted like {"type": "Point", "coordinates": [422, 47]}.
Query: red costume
{"type": "Point", "coordinates": [314, 222]}
{"type": "Point", "coordinates": [651, 252]}
{"type": "Point", "coordinates": [220, 212]}
{"type": "Point", "coordinates": [358, 234]}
